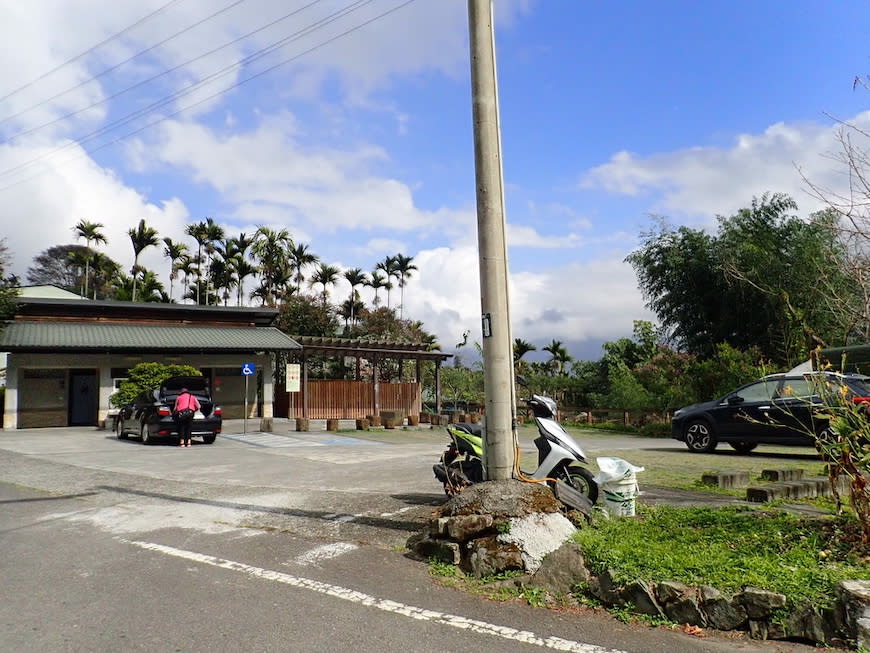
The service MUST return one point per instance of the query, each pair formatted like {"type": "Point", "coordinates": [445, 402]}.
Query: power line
{"type": "Point", "coordinates": [195, 104]}
{"type": "Point", "coordinates": [91, 49]}
{"type": "Point", "coordinates": [158, 76]}
{"type": "Point", "coordinates": [195, 86]}
{"type": "Point", "coordinates": [108, 70]}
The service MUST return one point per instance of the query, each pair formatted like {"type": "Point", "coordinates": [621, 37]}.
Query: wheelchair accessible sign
{"type": "Point", "coordinates": [248, 370]}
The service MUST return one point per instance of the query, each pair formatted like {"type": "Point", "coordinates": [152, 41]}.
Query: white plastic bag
{"type": "Point", "coordinates": [614, 469]}
{"type": "Point", "coordinates": [618, 484]}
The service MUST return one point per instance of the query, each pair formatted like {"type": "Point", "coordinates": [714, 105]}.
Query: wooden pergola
{"type": "Point", "coordinates": [320, 398]}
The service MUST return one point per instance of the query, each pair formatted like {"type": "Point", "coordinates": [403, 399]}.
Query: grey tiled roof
{"type": "Point", "coordinates": [47, 336]}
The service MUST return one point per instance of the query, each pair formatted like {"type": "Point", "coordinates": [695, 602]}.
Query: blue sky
{"type": "Point", "coordinates": [360, 144]}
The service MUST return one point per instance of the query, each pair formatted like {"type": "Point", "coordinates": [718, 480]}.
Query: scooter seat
{"type": "Point", "coordinates": [473, 429]}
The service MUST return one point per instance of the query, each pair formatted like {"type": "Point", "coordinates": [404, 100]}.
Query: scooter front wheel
{"type": "Point", "coordinates": [579, 478]}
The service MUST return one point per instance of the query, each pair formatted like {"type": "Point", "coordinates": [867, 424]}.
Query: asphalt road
{"type": "Point", "coordinates": [260, 542]}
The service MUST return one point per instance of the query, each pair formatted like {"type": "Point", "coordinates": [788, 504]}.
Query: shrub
{"type": "Point", "coordinates": [656, 430]}
{"type": "Point", "coordinates": [148, 376]}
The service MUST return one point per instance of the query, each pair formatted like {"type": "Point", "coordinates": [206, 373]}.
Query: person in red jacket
{"type": "Point", "coordinates": [185, 407]}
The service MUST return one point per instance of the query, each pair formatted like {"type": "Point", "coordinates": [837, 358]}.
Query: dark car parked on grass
{"type": "Point", "coordinates": [776, 409]}
{"type": "Point", "coordinates": [150, 415]}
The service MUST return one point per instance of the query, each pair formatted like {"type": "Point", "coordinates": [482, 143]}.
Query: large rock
{"type": "Point", "coordinates": [536, 535]}
{"type": "Point", "coordinates": [487, 556]}
{"type": "Point", "coordinates": [508, 498]}
{"type": "Point", "coordinates": [562, 570]}
{"type": "Point", "coordinates": [812, 624]}
{"type": "Point", "coordinates": [854, 597]}
{"type": "Point", "coordinates": [760, 603]}
{"type": "Point", "coordinates": [642, 596]}
{"type": "Point", "coordinates": [426, 546]}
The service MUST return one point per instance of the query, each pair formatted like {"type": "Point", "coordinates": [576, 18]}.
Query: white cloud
{"type": "Point", "coordinates": [525, 236]}
{"type": "Point", "coordinates": [594, 300]}
{"type": "Point", "coordinates": [42, 212]}
{"type": "Point", "coordinates": [710, 180]}
{"type": "Point", "coordinates": [318, 190]}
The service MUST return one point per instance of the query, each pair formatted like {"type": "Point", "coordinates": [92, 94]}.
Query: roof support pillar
{"type": "Point", "coordinates": [304, 385]}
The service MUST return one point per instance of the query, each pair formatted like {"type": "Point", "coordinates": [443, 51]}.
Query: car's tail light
{"type": "Point", "coordinates": [163, 432]}
{"type": "Point", "coordinates": [861, 400]}
{"type": "Point", "coordinates": [217, 411]}
{"type": "Point", "coordinates": [163, 411]}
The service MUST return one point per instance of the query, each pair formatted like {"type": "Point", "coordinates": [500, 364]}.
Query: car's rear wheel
{"type": "Point", "coordinates": [742, 446]}
{"type": "Point", "coordinates": [700, 437]}
{"type": "Point", "coordinates": [209, 439]}
{"type": "Point", "coordinates": [144, 434]}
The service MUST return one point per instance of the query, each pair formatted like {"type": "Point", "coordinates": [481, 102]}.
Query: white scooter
{"type": "Point", "coordinates": [560, 458]}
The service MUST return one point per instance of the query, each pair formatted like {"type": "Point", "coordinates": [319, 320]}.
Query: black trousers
{"type": "Point", "coordinates": [184, 427]}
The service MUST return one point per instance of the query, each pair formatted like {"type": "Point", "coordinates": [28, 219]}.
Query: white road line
{"type": "Point", "coordinates": [324, 552]}
{"type": "Point", "coordinates": [421, 614]}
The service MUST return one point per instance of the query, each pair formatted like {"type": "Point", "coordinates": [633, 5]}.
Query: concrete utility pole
{"type": "Point", "coordinates": [497, 353]}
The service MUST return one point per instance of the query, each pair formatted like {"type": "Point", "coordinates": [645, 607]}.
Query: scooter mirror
{"type": "Point", "coordinates": [521, 380]}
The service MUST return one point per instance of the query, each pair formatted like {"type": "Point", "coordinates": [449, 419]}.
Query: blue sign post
{"type": "Point", "coordinates": [248, 370]}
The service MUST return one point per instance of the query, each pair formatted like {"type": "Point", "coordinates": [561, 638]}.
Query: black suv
{"type": "Point", "coordinates": [776, 409]}
{"type": "Point", "coordinates": [150, 416]}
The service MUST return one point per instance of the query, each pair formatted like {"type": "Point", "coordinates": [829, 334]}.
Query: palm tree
{"type": "Point", "coordinates": [270, 247]}
{"type": "Point", "coordinates": [106, 273]}
{"type": "Point", "coordinates": [187, 266]}
{"type": "Point", "coordinates": [244, 269]}
{"type": "Point", "coordinates": [235, 252]}
{"type": "Point", "coordinates": [404, 267]}
{"type": "Point", "coordinates": [78, 258]}
{"type": "Point", "coordinates": [214, 233]}
{"type": "Point", "coordinates": [174, 252]}
{"type": "Point", "coordinates": [388, 265]}
{"type": "Point", "coordinates": [141, 237]}
{"type": "Point", "coordinates": [151, 289]}
{"type": "Point", "coordinates": [90, 231]}
{"type": "Point", "coordinates": [199, 232]}
{"type": "Point", "coordinates": [347, 310]}
{"type": "Point", "coordinates": [326, 275]}
{"type": "Point", "coordinates": [376, 282]}
{"type": "Point", "coordinates": [355, 277]}
{"type": "Point", "coordinates": [300, 257]}
{"type": "Point", "coordinates": [521, 348]}
{"type": "Point", "coordinates": [559, 356]}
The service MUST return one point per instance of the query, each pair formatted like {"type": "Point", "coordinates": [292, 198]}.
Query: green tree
{"type": "Point", "coordinates": [214, 233]}
{"type": "Point", "coordinates": [300, 257]}
{"type": "Point", "coordinates": [326, 275]}
{"type": "Point", "coordinates": [107, 275]}
{"type": "Point", "coordinates": [390, 269]}
{"type": "Point", "coordinates": [755, 283]}
{"type": "Point", "coordinates": [558, 356]}
{"type": "Point", "coordinates": [271, 251]}
{"type": "Point", "coordinates": [355, 277]}
{"type": "Point", "coordinates": [8, 285]}
{"type": "Point", "coordinates": [199, 232]}
{"type": "Point", "coordinates": [90, 231]}
{"type": "Point", "coordinates": [305, 315]}
{"type": "Point", "coordinates": [55, 267]}
{"type": "Point", "coordinates": [174, 251]}
{"type": "Point", "coordinates": [141, 238]}
{"type": "Point", "coordinates": [146, 377]}
{"type": "Point", "coordinates": [521, 348]}
{"type": "Point", "coordinates": [404, 267]}
{"type": "Point", "coordinates": [376, 281]}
